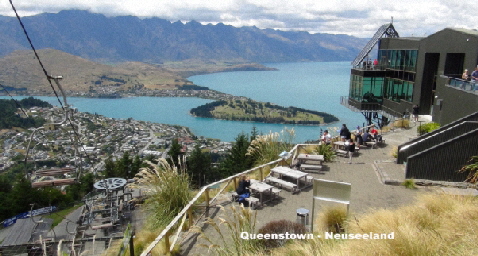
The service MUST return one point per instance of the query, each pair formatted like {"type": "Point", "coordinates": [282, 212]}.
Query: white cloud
{"type": "Point", "coordinates": [359, 18]}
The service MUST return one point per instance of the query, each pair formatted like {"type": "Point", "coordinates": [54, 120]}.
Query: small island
{"type": "Point", "coordinates": [249, 110]}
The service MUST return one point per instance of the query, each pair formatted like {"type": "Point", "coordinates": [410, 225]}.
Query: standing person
{"type": "Point", "coordinates": [415, 113]}
{"type": "Point", "coordinates": [465, 77]}
{"type": "Point", "coordinates": [344, 133]}
{"type": "Point", "coordinates": [351, 150]}
{"type": "Point", "coordinates": [474, 79]}
{"type": "Point", "coordinates": [326, 138]}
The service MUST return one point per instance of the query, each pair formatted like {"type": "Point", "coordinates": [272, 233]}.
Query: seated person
{"type": "Point", "coordinates": [359, 138]}
{"type": "Point", "coordinates": [326, 138]}
{"type": "Point", "coordinates": [243, 189]}
{"type": "Point", "coordinates": [374, 132]}
{"type": "Point", "coordinates": [366, 136]}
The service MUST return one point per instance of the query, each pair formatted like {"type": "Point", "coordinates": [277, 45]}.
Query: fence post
{"type": "Point", "coordinates": [131, 244]}
{"type": "Point", "coordinates": [190, 216]}
{"type": "Point", "coordinates": [235, 184]}
{"type": "Point", "coordinates": [167, 244]}
{"type": "Point", "coordinates": [261, 173]}
{"type": "Point", "coordinates": [207, 202]}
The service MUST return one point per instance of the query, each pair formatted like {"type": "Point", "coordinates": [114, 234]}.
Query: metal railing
{"type": "Point", "coordinates": [186, 212]}
{"type": "Point", "coordinates": [461, 84]}
{"type": "Point", "coordinates": [471, 118]}
{"type": "Point", "coordinates": [437, 138]}
{"type": "Point", "coordinates": [442, 162]}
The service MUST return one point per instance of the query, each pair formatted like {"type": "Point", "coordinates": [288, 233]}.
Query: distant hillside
{"type": "Point", "coordinates": [21, 70]}
{"type": "Point", "coordinates": [249, 110]}
{"type": "Point", "coordinates": [154, 40]}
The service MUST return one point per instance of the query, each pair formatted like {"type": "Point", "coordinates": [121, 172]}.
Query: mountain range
{"type": "Point", "coordinates": [154, 40]}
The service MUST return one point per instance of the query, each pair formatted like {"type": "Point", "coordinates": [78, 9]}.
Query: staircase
{"type": "Point", "coordinates": [438, 155]}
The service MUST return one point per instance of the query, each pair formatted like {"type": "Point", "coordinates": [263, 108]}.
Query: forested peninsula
{"type": "Point", "coordinates": [10, 116]}
{"type": "Point", "coordinates": [249, 110]}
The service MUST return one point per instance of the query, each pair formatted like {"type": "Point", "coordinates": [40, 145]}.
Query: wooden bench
{"type": "Point", "coordinates": [253, 201]}
{"type": "Point", "coordinates": [371, 143]}
{"type": "Point", "coordinates": [234, 196]}
{"type": "Point", "coordinates": [313, 167]}
{"type": "Point", "coordinates": [282, 183]}
{"type": "Point", "coordinates": [341, 152]}
{"type": "Point", "coordinates": [275, 192]}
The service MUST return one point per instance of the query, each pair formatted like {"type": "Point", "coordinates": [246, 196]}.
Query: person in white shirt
{"type": "Point", "coordinates": [326, 138]}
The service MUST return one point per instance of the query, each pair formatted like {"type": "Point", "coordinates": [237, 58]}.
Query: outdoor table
{"type": "Point", "coordinates": [261, 188]}
{"type": "Point", "coordinates": [302, 158]}
{"type": "Point", "coordinates": [288, 172]}
{"type": "Point", "coordinates": [339, 145]}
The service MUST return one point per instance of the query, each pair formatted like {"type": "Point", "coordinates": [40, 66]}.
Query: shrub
{"type": "Point", "coordinates": [425, 128]}
{"type": "Point", "coordinates": [472, 169]}
{"type": "Point", "coordinates": [404, 123]}
{"type": "Point", "coordinates": [395, 152]}
{"type": "Point", "coordinates": [409, 183]}
{"type": "Point", "coordinates": [327, 151]}
{"type": "Point", "coordinates": [280, 227]}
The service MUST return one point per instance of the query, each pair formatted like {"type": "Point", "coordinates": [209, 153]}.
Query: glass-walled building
{"type": "Point", "coordinates": [401, 71]}
{"type": "Point", "coordinates": [415, 71]}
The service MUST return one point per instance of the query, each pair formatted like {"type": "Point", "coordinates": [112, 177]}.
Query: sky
{"type": "Point", "coordinates": [359, 18]}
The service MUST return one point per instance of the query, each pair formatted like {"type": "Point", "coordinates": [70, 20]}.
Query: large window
{"type": "Point", "coordinates": [366, 89]}
{"type": "Point", "coordinates": [405, 60]}
{"type": "Point", "coordinates": [397, 90]}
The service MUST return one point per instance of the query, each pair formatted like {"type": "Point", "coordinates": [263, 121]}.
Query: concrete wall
{"type": "Point", "coordinates": [455, 104]}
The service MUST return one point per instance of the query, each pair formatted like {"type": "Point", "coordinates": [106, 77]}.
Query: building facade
{"type": "Point", "coordinates": [417, 71]}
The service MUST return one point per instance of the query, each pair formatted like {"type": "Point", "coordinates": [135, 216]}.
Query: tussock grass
{"type": "Point", "coordinates": [266, 148]}
{"type": "Point", "coordinates": [143, 238]}
{"type": "Point", "coordinates": [435, 225]}
{"type": "Point", "coordinates": [332, 219]}
{"type": "Point", "coordinates": [168, 192]}
{"type": "Point", "coordinates": [226, 236]}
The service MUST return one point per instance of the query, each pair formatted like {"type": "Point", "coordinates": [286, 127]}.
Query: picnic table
{"type": "Point", "coordinates": [261, 188]}
{"type": "Point", "coordinates": [302, 158]}
{"type": "Point", "coordinates": [288, 172]}
{"type": "Point", "coordinates": [341, 145]}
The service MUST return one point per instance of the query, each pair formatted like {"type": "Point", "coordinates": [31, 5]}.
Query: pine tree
{"type": "Point", "coordinates": [199, 166]}
{"type": "Point", "coordinates": [174, 152]}
{"type": "Point", "coordinates": [237, 160]}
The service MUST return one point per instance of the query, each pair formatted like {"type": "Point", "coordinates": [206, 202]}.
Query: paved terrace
{"type": "Point", "coordinates": [366, 174]}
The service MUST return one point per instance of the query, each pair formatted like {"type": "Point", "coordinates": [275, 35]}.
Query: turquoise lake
{"type": "Point", "coordinates": [311, 85]}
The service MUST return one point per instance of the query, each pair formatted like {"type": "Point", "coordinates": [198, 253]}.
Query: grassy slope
{"type": "Point", "coordinates": [435, 225]}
